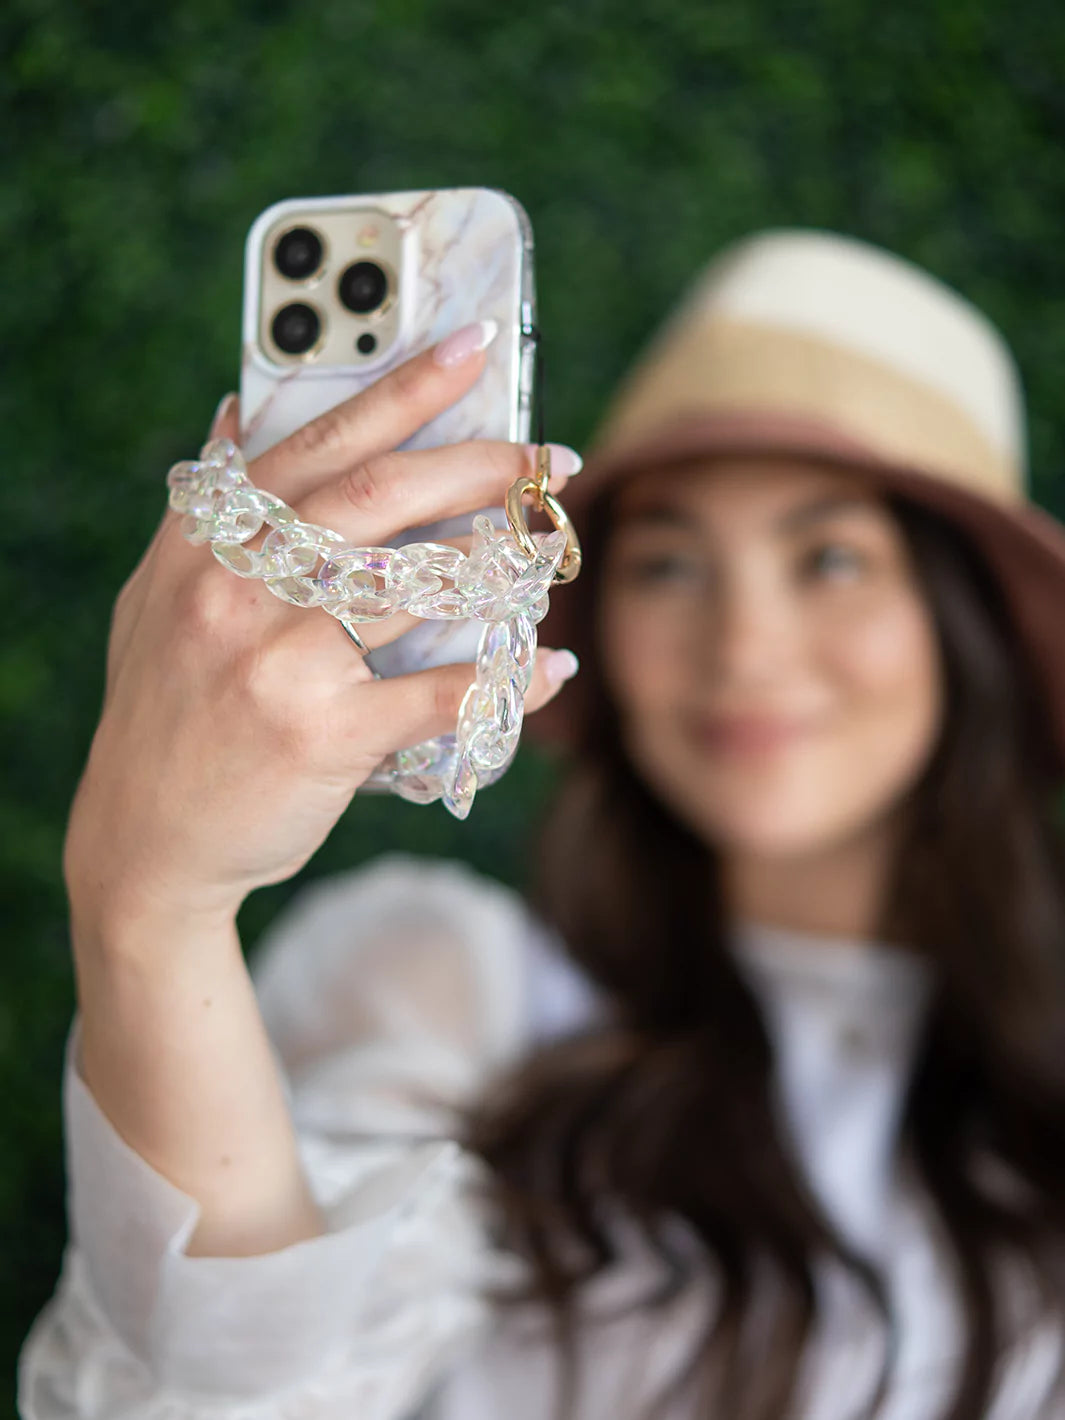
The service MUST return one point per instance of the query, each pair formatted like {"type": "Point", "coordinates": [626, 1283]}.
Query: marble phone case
{"type": "Point", "coordinates": [467, 255]}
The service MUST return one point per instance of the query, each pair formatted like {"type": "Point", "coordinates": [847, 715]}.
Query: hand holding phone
{"type": "Point", "coordinates": [236, 728]}
{"type": "Point", "coordinates": [338, 291]}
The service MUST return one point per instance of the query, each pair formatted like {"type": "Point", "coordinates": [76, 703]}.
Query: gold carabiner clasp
{"type": "Point", "coordinates": [570, 565]}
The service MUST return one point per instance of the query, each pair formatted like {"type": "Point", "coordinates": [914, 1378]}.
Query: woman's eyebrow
{"type": "Point", "coordinates": [655, 515]}
{"type": "Point", "coordinates": [664, 514]}
{"type": "Point", "coordinates": [798, 518]}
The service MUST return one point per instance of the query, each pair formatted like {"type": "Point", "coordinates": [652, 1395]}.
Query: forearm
{"type": "Point", "coordinates": [176, 1055]}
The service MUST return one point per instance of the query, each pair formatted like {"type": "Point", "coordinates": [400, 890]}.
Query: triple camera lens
{"type": "Point", "coordinates": [296, 328]}
{"type": "Point", "coordinates": [362, 289]}
{"type": "Point", "coordinates": [298, 254]}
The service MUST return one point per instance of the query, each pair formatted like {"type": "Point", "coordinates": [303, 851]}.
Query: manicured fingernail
{"type": "Point", "coordinates": [465, 342]}
{"type": "Point", "coordinates": [224, 406]}
{"type": "Point", "coordinates": [563, 459]}
{"type": "Point", "coordinates": [560, 666]}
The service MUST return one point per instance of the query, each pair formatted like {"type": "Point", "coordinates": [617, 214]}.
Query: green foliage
{"type": "Point", "coordinates": [140, 141]}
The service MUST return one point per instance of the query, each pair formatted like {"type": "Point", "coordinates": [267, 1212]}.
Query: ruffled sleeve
{"type": "Point", "coordinates": [391, 993]}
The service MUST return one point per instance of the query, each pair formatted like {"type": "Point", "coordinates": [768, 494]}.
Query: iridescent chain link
{"type": "Point", "coordinates": [312, 566]}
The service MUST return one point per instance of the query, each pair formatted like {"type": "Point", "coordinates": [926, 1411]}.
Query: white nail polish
{"type": "Point", "coordinates": [560, 666]}
{"type": "Point", "coordinates": [222, 410]}
{"type": "Point", "coordinates": [565, 460]}
{"type": "Point", "coordinates": [464, 343]}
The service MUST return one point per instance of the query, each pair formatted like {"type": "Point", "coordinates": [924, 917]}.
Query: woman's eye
{"type": "Point", "coordinates": [658, 567]}
{"type": "Point", "coordinates": [834, 559]}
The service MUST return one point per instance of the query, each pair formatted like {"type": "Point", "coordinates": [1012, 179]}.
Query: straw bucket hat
{"type": "Point", "coordinates": [806, 343]}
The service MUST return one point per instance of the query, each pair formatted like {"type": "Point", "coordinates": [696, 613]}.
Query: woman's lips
{"type": "Point", "coordinates": [747, 734]}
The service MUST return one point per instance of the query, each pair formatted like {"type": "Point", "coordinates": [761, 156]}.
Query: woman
{"type": "Point", "coordinates": [762, 1102]}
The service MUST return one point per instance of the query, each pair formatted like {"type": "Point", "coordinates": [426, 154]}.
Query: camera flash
{"type": "Point", "coordinates": [368, 236]}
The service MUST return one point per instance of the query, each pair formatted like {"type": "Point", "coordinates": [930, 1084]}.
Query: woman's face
{"type": "Point", "coordinates": [773, 659]}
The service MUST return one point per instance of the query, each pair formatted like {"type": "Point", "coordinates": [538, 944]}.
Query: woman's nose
{"type": "Point", "coordinates": [748, 634]}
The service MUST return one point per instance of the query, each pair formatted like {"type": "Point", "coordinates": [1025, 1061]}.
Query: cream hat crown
{"type": "Point", "coordinates": [829, 328]}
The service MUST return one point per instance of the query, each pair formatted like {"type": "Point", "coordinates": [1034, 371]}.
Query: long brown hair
{"type": "Point", "coordinates": [665, 1111]}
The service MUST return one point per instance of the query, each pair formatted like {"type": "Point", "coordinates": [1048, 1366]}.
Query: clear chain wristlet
{"type": "Point", "coordinates": [504, 582]}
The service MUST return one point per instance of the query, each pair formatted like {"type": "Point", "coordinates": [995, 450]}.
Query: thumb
{"type": "Point", "coordinates": [226, 421]}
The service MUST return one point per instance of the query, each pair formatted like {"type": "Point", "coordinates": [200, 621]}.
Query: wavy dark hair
{"type": "Point", "coordinates": [665, 1111]}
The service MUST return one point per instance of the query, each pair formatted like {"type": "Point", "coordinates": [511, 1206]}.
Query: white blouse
{"type": "Point", "coordinates": [391, 992]}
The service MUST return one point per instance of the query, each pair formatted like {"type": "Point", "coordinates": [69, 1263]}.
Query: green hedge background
{"type": "Point", "coordinates": [140, 140]}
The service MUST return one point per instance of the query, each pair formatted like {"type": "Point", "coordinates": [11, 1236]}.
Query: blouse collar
{"type": "Point", "coordinates": [860, 974]}
{"type": "Point", "coordinates": [845, 1017]}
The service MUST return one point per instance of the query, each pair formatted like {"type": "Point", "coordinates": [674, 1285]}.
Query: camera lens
{"type": "Point", "coordinates": [295, 328]}
{"type": "Point", "coordinates": [298, 254]}
{"type": "Point", "coordinates": [363, 287]}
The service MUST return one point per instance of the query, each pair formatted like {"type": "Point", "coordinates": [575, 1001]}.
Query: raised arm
{"type": "Point", "coordinates": [235, 731]}
{"type": "Point", "coordinates": [174, 1050]}
{"type": "Point", "coordinates": [390, 993]}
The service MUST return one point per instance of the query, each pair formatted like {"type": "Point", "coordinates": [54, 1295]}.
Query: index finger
{"type": "Point", "coordinates": [378, 418]}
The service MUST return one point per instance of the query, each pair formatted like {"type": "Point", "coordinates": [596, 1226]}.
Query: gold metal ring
{"type": "Point", "coordinates": [543, 468]}
{"type": "Point", "coordinates": [571, 559]}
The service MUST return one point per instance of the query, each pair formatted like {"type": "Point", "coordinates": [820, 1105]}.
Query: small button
{"type": "Point", "coordinates": [526, 366]}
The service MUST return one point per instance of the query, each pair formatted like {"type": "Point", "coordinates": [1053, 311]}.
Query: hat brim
{"type": "Point", "coordinates": [1023, 545]}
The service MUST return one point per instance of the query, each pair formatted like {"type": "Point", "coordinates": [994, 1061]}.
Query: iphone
{"type": "Point", "coordinates": [339, 290]}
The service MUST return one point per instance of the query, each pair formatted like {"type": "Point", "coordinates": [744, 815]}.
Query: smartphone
{"type": "Point", "coordinates": [339, 290]}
